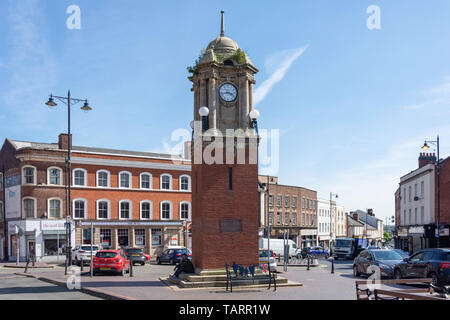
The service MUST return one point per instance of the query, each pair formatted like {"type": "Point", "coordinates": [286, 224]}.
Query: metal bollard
{"type": "Point", "coordinates": [308, 261]}
{"type": "Point", "coordinates": [82, 263]}
{"type": "Point", "coordinates": [131, 268]}
{"type": "Point", "coordinates": [332, 265]}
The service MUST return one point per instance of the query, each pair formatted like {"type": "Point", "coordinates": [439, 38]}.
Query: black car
{"type": "Point", "coordinates": [135, 255]}
{"type": "Point", "coordinates": [384, 259]}
{"type": "Point", "coordinates": [427, 263]}
{"type": "Point", "coordinates": [173, 255]}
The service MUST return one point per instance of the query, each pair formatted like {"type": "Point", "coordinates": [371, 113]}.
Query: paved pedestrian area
{"type": "Point", "coordinates": [14, 287]}
{"type": "Point", "coordinates": [318, 283]}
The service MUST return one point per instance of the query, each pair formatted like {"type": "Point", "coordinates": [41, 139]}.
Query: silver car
{"type": "Point", "coordinates": [263, 260]}
{"type": "Point", "coordinates": [83, 252]}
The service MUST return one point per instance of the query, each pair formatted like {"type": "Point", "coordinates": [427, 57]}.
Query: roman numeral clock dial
{"type": "Point", "coordinates": [228, 92]}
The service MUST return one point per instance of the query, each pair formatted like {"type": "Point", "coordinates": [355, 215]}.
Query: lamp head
{"type": "Point", "coordinates": [51, 102]}
{"type": "Point", "coordinates": [425, 146]}
{"type": "Point", "coordinates": [86, 107]}
{"type": "Point", "coordinates": [254, 114]}
{"type": "Point", "coordinates": [203, 111]}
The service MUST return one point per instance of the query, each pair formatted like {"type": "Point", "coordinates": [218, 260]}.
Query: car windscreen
{"type": "Point", "coordinates": [88, 248]}
{"type": "Point", "coordinates": [386, 255]}
{"type": "Point", "coordinates": [106, 254]}
{"type": "Point", "coordinates": [343, 243]}
{"type": "Point", "coordinates": [264, 253]}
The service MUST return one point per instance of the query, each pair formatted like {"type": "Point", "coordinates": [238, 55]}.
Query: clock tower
{"type": "Point", "coordinates": [224, 157]}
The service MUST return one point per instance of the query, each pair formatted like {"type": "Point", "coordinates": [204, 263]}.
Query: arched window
{"type": "Point", "coordinates": [54, 208]}
{"type": "Point", "coordinates": [146, 210]}
{"type": "Point", "coordinates": [29, 175]}
{"type": "Point", "coordinates": [124, 179]}
{"type": "Point", "coordinates": [103, 209]}
{"type": "Point", "coordinates": [185, 182]}
{"type": "Point", "coordinates": [146, 180]}
{"type": "Point", "coordinates": [185, 210]}
{"type": "Point", "coordinates": [166, 181]}
{"type": "Point", "coordinates": [166, 210]}
{"type": "Point", "coordinates": [103, 180]}
{"type": "Point", "coordinates": [29, 207]}
{"type": "Point", "coordinates": [80, 177]}
{"type": "Point", "coordinates": [228, 63]}
{"type": "Point", "coordinates": [79, 209]}
{"type": "Point", "coordinates": [125, 210]}
{"type": "Point", "coordinates": [54, 175]}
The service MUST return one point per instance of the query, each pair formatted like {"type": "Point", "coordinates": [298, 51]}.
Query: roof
{"type": "Point", "coordinates": [18, 145]}
{"type": "Point", "coordinates": [368, 219]}
{"type": "Point", "coordinates": [352, 222]}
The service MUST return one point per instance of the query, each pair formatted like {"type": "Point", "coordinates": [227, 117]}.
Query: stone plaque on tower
{"type": "Point", "coordinates": [224, 157]}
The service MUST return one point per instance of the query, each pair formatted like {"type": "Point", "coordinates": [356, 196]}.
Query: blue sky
{"type": "Point", "coordinates": [353, 105]}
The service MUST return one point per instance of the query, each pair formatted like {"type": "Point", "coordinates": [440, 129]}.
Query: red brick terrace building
{"type": "Point", "coordinates": [133, 198]}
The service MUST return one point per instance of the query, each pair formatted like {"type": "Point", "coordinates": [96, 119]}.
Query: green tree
{"type": "Point", "coordinates": [387, 236]}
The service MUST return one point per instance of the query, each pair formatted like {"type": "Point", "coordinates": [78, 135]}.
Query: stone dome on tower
{"type": "Point", "coordinates": [223, 48]}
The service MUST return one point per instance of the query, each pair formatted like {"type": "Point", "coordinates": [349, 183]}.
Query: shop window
{"type": "Point", "coordinates": [54, 244]}
{"type": "Point", "coordinates": [87, 236]}
{"type": "Point", "coordinates": [122, 235]}
{"type": "Point", "coordinates": [156, 237]}
{"type": "Point", "coordinates": [105, 238]}
{"type": "Point", "coordinates": [139, 235]}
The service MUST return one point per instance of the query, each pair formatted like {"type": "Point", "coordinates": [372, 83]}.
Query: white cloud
{"type": "Point", "coordinates": [278, 63]}
{"type": "Point", "coordinates": [440, 94]}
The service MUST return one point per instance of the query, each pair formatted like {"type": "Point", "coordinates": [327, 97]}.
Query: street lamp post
{"type": "Point", "coordinates": [438, 172]}
{"type": "Point", "coordinates": [68, 101]}
{"type": "Point", "coordinates": [332, 195]}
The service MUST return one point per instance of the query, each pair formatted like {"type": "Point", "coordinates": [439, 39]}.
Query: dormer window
{"type": "Point", "coordinates": [228, 63]}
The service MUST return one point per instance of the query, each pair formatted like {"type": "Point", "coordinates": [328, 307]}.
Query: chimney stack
{"type": "Point", "coordinates": [426, 158]}
{"type": "Point", "coordinates": [63, 141]}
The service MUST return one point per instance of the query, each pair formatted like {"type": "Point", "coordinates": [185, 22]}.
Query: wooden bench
{"type": "Point", "coordinates": [365, 293]}
{"type": "Point", "coordinates": [239, 273]}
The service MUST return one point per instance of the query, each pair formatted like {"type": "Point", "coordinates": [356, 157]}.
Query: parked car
{"type": "Point", "coordinates": [111, 261]}
{"type": "Point", "coordinates": [404, 254]}
{"type": "Point", "coordinates": [427, 263]}
{"type": "Point", "coordinates": [314, 251]}
{"type": "Point", "coordinates": [385, 259]}
{"type": "Point", "coordinates": [172, 255]}
{"type": "Point", "coordinates": [136, 255]}
{"type": "Point", "coordinates": [263, 259]}
{"type": "Point", "coordinates": [83, 251]}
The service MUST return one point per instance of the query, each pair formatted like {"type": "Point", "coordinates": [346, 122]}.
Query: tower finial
{"type": "Point", "coordinates": [222, 26]}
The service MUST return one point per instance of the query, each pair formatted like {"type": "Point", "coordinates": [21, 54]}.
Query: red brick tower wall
{"type": "Point", "coordinates": [213, 204]}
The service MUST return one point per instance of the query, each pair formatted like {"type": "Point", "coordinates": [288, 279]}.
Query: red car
{"type": "Point", "coordinates": [111, 261]}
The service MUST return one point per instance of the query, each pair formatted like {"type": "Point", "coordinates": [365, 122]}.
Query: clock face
{"type": "Point", "coordinates": [228, 92]}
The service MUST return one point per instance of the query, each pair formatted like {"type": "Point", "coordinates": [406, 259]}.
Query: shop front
{"type": "Point", "coordinates": [309, 237]}
{"type": "Point", "coordinates": [45, 239]}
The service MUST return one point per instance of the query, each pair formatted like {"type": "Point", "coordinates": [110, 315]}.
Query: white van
{"type": "Point", "coordinates": [277, 245]}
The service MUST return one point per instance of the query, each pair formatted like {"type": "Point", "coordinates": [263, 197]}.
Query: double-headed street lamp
{"type": "Point", "coordinates": [438, 172]}
{"type": "Point", "coordinates": [69, 102]}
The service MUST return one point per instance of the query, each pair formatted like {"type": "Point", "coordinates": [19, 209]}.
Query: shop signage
{"type": "Point", "coordinates": [52, 225]}
{"type": "Point", "coordinates": [174, 241]}
{"type": "Point", "coordinates": [416, 230]}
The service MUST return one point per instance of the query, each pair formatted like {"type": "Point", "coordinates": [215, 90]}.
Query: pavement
{"type": "Point", "coordinates": [318, 284]}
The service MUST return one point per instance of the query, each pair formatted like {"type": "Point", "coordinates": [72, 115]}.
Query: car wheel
{"type": "Point", "coordinates": [355, 271]}
{"type": "Point", "coordinates": [434, 278]}
{"type": "Point", "coordinates": [397, 274]}
{"type": "Point", "coordinates": [158, 261]}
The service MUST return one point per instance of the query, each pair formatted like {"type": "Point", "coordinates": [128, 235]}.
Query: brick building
{"type": "Point", "coordinates": [416, 205]}
{"type": "Point", "coordinates": [132, 198]}
{"type": "Point", "coordinates": [289, 208]}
